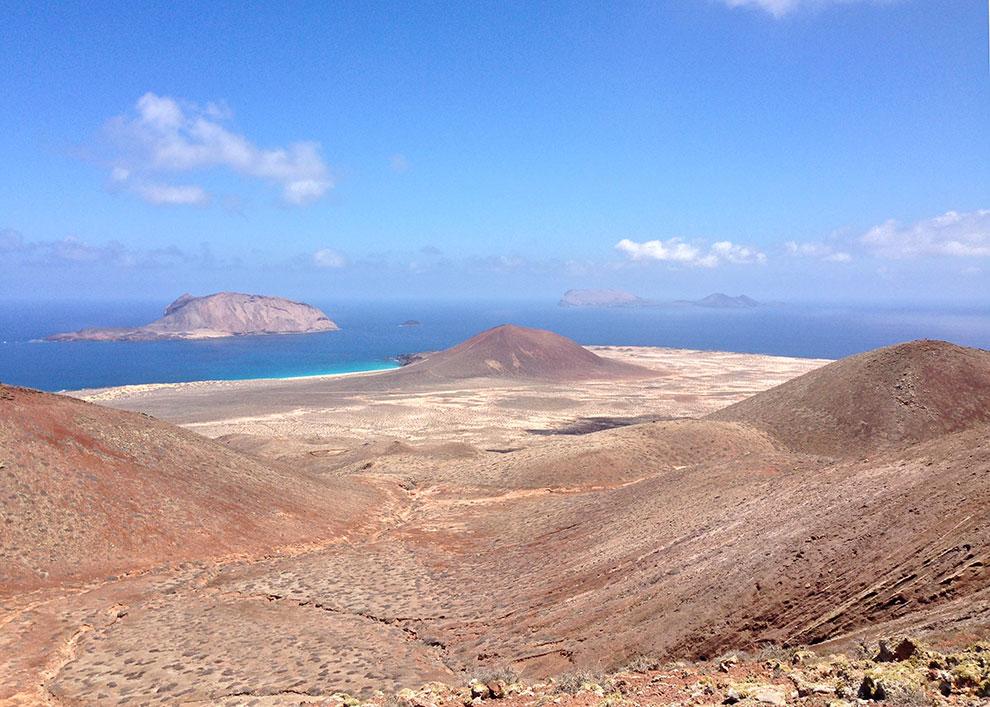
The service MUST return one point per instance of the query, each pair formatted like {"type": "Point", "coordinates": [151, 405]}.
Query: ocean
{"type": "Point", "coordinates": [370, 336]}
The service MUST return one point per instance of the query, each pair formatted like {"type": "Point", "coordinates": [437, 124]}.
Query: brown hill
{"type": "Point", "coordinates": [89, 491]}
{"type": "Point", "coordinates": [511, 351]}
{"type": "Point", "coordinates": [879, 400]}
{"type": "Point", "coordinates": [218, 315]}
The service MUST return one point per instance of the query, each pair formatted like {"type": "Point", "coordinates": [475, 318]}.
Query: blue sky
{"type": "Point", "coordinates": [790, 149]}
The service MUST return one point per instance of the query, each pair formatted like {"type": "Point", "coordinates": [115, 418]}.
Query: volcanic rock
{"type": "Point", "coordinates": [511, 351]}
{"type": "Point", "coordinates": [217, 315]}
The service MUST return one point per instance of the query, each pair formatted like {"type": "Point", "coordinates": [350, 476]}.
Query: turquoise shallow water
{"type": "Point", "coordinates": [370, 337]}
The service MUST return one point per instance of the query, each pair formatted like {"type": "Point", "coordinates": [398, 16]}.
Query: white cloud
{"type": "Point", "coordinates": [777, 8]}
{"type": "Point", "coordinates": [676, 250]}
{"type": "Point", "coordinates": [329, 258]}
{"type": "Point", "coordinates": [498, 263]}
{"type": "Point", "coordinates": [726, 251]}
{"type": "Point", "coordinates": [780, 8]}
{"type": "Point", "coordinates": [820, 251]}
{"type": "Point", "coordinates": [673, 249]}
{"type": "Point", "coordinates": [165, 135]}
{"type": "Point", "coordinates": [304, 191]}
{"type": "Point", "coordinates": [74, 252]}
{"type": "Point", "coordinates": [952, 234]}
{"type": "Point", "coordinates": [170, 194]}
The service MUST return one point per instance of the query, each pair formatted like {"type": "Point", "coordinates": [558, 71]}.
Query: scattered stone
{"type": "Point", "coordinates": [727, 663]}
{"type": "Point", "coordinates": [802, 657]}
{"type": "Point", "coordinates": [872, 687]}
{"type": "Point", "coordinates": [479, 689]}
{"type": "Point", "coordinates": [769, 695]}
{"type": "Point", "coordinates": [904, 650]}
{"type": "Point", "coordinates": [496, 688]}
{"type": "Point", "coordinates": [732, 696]}
{"type": "Point", "coordinates": [807, 689]}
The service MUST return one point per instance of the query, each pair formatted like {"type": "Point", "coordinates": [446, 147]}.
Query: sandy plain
{"type": "Point", "coordinates": [350, 409]}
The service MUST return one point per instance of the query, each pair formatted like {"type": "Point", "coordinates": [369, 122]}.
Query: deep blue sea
{"type": "Point", "coordinates": [370, 336]}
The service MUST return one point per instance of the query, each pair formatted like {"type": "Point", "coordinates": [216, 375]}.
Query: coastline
{"type": "Point", "coordinates": [117, 391]}
{"type": "Point", "coordinates": [655, 357]}
{"type": "Point", "coordinates": [347, 411]}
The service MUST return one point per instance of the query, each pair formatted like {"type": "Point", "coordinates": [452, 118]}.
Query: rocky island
{"type": "Point", "coordinates": [720, 300]}
{"type": "Point", "coordinates": [619, 298]}
{"type": "Point", "coordinates": [215, 316]}
{"type": "Point", "coordinates": [601, 298]}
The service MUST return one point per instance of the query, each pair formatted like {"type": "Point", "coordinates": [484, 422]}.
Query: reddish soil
{"type": "Point", "coordinates": [680, 539]}
{"type": "Point", "coordinates": [90, 492]}
{"type": "Point", "coordinates": [518, 352]}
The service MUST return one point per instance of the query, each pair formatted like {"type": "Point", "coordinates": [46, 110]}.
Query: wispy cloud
{"type": "Point", "coordinates": [172, 194]}
{"type": "Point", "coordinates": [952, 234]}
{"type": "Point", "coordinates": [77, 253]}
{"type": "Point", "coordinates": [329, 258]}
{"type": "Point", "coordinates": [678, 251]}
{"type": "Point", "coordinates": [817, 250]}
{"type": "Point", "coordinates": [398, 163]}
{"type": "Point", "coordinates": [164, 135]}
{"type": "Point", "coordinates": [781, 8]}
{"type": "Point", "coordinates": [498, 263]}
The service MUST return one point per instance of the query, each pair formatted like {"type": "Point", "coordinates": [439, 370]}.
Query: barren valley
{"type": "Point", "coordinates": [517, 508]}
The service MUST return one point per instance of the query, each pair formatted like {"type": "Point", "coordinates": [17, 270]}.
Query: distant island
{"type": "Point", "coordinates": [722, 301]}
{"type": "Point", "coordinates": [601, 298]}
{"type": "Point", "coordinates": [619, 298]}
{"type": "Point", "coordinates": [410, 323]}
{"type": "Point", "coordinates": [216, 316]}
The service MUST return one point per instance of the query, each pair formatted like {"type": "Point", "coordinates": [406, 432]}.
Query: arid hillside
{"type": "Point", "coordinates": [89, 492]}
{"type": "Point", "coordinates": [877, 401]}
{"type": "Point", "coordinates": [575, 551]}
